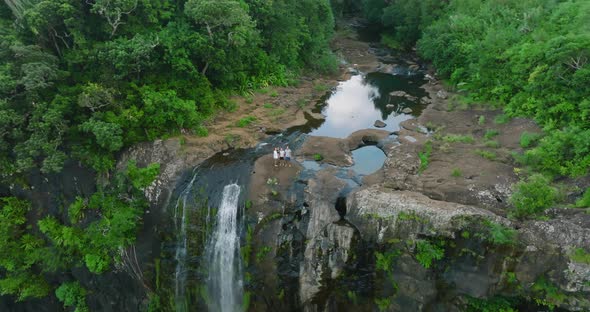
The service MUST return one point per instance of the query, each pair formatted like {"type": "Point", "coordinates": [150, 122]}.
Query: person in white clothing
{"type": "Point", "coordinates": [282, 157]}
{"type": "Point", "coordinates": [275, 156]}
{"type": "Point", "coordinates": [288, 156]}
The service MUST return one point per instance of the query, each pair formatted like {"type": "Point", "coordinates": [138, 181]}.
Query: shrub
{"type": "Point", "coordinates": [246, 121]}
{"type": "Point", "coordinates": [318, 157]}
{"type": "Point", "coordinates": [501, 119]}
{"type": "Point", "coordinates": [492, 144]}
{"type": "Point", "coordinates": [72, 295]}
{"type": "Point", "coordinates": [580, 255]}
{"type": "Point", "coordinates": [532, 196]}
{"type": "Point", "coordinates": [456, 173]}
{"type": "Point", "coordinates": [494, 304]}
{"type": "Point", "coordinates": [202, 131]}
{"type": "Point", "coordinates": [454, 138]}
{"type": "Point", "coordinates": [491, 133]}
{"type": "Point", "coordinates": [428, 252]}
{"type": "Point", "coordinates": [563, 152]}
{"type": "Point", "coordinates": [486, 154]}
{"type": "Point", "coordinates": [425, 156]}
{"type": "Point", "coordinates": [268, 105]}
{"type": "Point", "coordinates": [499, 234]}
{"type": "Point", "coordinates": [585, 200]}
{"type": "Point", "coordinates": [481, 120]}
{"type": "Point", "coordinates": [528, 139]}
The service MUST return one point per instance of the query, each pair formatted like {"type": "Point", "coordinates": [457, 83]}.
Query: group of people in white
{"type": "Point", "coordinates": [282, 157]}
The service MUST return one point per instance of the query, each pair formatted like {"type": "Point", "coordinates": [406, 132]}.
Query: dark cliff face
{"type": "Point", "coordinates": [51, 194]}
{"type": "Point", "coordinates": [401, 250]}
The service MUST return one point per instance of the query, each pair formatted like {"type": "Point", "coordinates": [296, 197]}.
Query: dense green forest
{"type": "Point", "coordinates": [81, 80]}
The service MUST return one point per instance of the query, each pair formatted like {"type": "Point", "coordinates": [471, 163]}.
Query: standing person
{"type": "Point", "coordinates": [275, 156]}
{"type": "Point", "coordinates": [288, 155]}
{"type": "Point", "coordinates": [282, 157]}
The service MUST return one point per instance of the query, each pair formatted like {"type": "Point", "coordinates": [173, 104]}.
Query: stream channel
{"type": "Point", "coordinates": [204, 255]}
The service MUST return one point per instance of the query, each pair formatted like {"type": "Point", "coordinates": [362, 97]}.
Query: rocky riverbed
{"type": "Point", "coordinates": [408, 237]}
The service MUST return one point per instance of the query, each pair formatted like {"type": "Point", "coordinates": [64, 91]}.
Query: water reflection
{"type": "Point", "coordinates": [362, 99]}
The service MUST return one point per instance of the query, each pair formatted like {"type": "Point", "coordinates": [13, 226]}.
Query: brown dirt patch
{"type": "Point", "coordinates": [478, 173]}
{"type": "Point", "coordinates": [264, 170]}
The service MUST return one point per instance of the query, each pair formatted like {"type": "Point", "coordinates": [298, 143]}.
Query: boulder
{"type": "Point", "coordinates": [399, 93]}
{"type": "Point", "coordinates": [407, 110]}
{"type": "Point", "coordinates": [442, 94]}
{"type": "Point", "coordinates": [379, 124]}
{"type": "Point", "coordinates": [376, 210]}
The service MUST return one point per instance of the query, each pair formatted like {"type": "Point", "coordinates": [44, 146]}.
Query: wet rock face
{"type": "Point", "coordinates": [330, 243]}
{"type": "Point", "coordinates": [326, 257]}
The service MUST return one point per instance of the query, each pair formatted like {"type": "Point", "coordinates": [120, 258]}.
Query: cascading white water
{"type": "Point", "coordinates": [181, 247]}
{"type": "Point", "coordinates": [225, 278]}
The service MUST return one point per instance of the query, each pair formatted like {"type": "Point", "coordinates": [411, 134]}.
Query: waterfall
{"type": "Point", "coordinates": [225, 276]}
{"type": "Point", "coordinates": [181, 247]}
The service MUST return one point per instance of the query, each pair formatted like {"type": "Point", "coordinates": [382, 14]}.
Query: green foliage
{"type": "Point", "coordinates": [501, 119]}
{"type": "Point", "coordinates": [427, 252]}
{"type": "Point", "coordinates": [412, 216]}
{"type": "Point", "coordinates": [383, 303]}
{"type": "Point", "coordinates": [384, 261]}
{"type": "Point", "coordinates": [20, 252]}
{"type": "Point", "coordinates": [580, 255]}
{"type": "Point", "coordinates": [246, 121]}
{"type": "Point", "coordinates": [456, 172]}
{"type": "Point", "coordinates": [532, 196]}
{"type": "Point", "coordinates": [261, 254]}
{"type": "Point", "coordinates": [585, 200]}
{"type": "Point", "coordinates": [547, 294]}
{"type": "Point", "coordinates": [494, 304]}
{"type": "Point", "coordinates": [492, 144]}
{"type": "Point", "coordinates": [454, 138]}
{"type": "Point", "coordinates": [268, 105]}
{"type": "Point", "coordinates": [141, 178]}
{"type": "Point", "coordinates": [525, 57]}
{"type": "Point", "coordinates": [486, 154]}
{"type": "Point", "coordinates": [72, 295]}
{"type": "Point", "coordinates": [88, 79]}
{"type": "Point", "coordinates": [481, 120]}
{"type": "Point", "coordinates": [491, 133]}
{"type": "Point", "coordinates": [529, 139]}
{"type": "Point", "coordinates": [498, 234]}
{"type": "Point", "coordinates": [561, 152]}
{"type": "Point", "coordinates": [154, 304]}
{"type": "Point", "coordinates": [424, 156]}
{"type": "Point", "coordinates": [246, 250]}
{"type": "Point", "coordinates": [318, 157]}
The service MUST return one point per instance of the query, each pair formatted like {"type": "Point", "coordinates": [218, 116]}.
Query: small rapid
{"type": "Point", "coordinates": [225, 265]}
